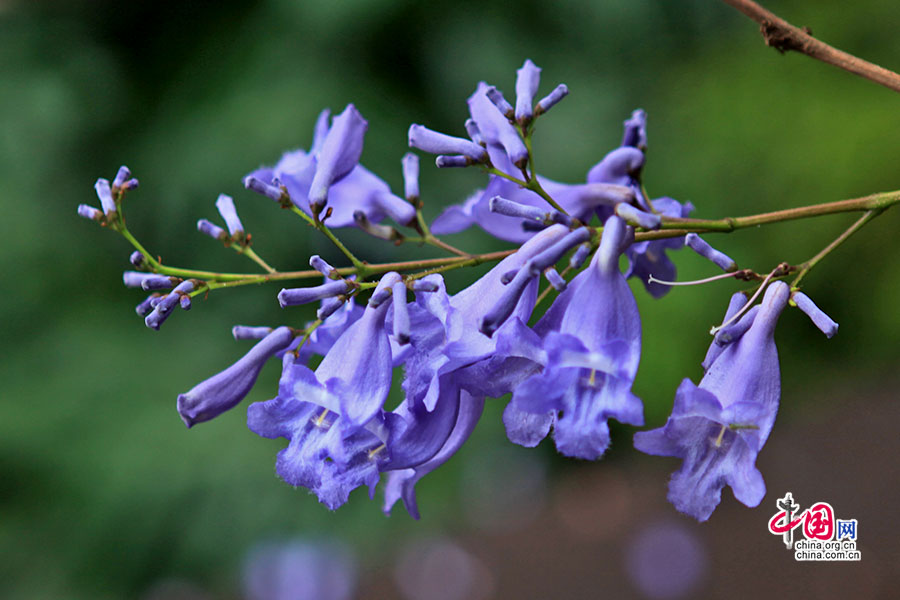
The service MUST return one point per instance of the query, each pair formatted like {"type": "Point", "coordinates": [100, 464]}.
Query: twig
{"type": "Point", "coordinates": [783, 36]}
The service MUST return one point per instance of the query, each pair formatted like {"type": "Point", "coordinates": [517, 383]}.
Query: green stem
{"type": "Point", "coordinates": [874, 202]}
{"type": "Point", "coordinates": [671, 228]}
{"type": "Point", "coordinates": [249, 253]}
{"type": "Point", "coordinates": [361, 267]}
{"type": "Point", "coordinates": [137, 246]}
{"type": "Point", "coordinates": [808, 266]}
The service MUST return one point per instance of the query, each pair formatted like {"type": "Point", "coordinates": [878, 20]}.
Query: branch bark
{"type": "Point", "coordinates": [783, 36]}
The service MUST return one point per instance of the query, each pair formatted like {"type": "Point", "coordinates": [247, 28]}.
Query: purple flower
{"type": "Point", "coordinates": [339, 435]}
{"type": "Point", "coordinates": [223, 391]}
{"type": "Point", "coordinates": [719, 427]}
{"type": "Point", "coordinates": [590, 352]}
{"type": "Point", "coordinates": [340, 152]}
{"type": "Point", "coordinates": [357, 190]}
{"type": "Point", "coordinates": [335, 412]}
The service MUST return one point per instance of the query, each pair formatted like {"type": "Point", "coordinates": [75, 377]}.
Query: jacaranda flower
{"type": "Point", "coordinates": [719, 427]}
{"type": "Point", "coordinates": [590, 352]}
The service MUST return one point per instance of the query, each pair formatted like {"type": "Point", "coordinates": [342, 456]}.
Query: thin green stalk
{"type": "Point", "coordinates": [249, 253]}
{"type": "Point", "coordinates": [531, 184]}
{"type": "Point", "coordinates": [873, 202]}
{"type": "Point", "coordinates": [360, 265]}
{"type": "Point", "coordinates": [808, 266]}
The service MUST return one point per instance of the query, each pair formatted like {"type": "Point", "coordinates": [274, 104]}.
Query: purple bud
{"type": "Point", "coordinates": [505, 108]}
{"type": "Point", "coordinates": [243, 332]}
{"type": "Point", "coordinates": [143, 309]}
{"type": "Point", "coordinates": [105, 195]}
{"type": "Point", "coordinates": [548, 101]}
{"type": "Point", "coordinates": [613, 242]}
{"type": "Point", "coordinates": [419, 285]}
{"type": "Point", "coordinates": [533, 226]}
{"type": "Point", "coordinates": [382, 232]}
{"type": "Point", "coordinates": [395, 207]}
{"type": "Point", "coordinates": [226, 208]}
{"type": "Point", "coordinates": [555, 279]}
{"type": "Point", "coordinates": [304, 295]}
{"type": "Point", "coordinates": [638, 217]}
{"type": "Point", "coordinates": [159, 282]}
{"type": "Point", "coordinates": [505, 305]}
{"type": "Point", "coordinates": [509, 208]}
{"type": "Point", "coordinates": [737, 302]}
{"type": "Point", "coordinates": [380, 296]}
{"type": "Point", "coordinates": [123, 175]}
{"type": "Point", "coordinates": [136, 258]}
{"type": "Point", "coordinates": [401, 313]}
{"type": "Point", "coordinates": [225, 390]}
{"type": "Point", "coordinates": [636, 131]}
{"type": "Point", "coordinates": [319, 264]}
{"type": "Point", "coordinates": [89, 212]}
{"type": "Point", "coordinates": [328, 308]}
{"type": "Point", "coordinates": [825, 324]}
{"type": "Point", "coordinates": [261, 187]}
{"type": "Point", "coordinates": [733, 332]}
{"type": "Point", "coordinates": [438, 143]}
{"type": "Point", "coordinates": [212, 230]}
{"type": "Point", "coordinates": [411, 176]}
{"type": "Point", "coordinates": [185, 302]}
{"type": "Point", "coordinates": [444, 161]}
{"type": "Point", "coordinates": [155, 299]}
{"type": "Point", "coordinates": [701, 247]}
{"type": "Point", "coordinates": [164, 307]}
{"type": "Point", "coordinates": [528, 78]}
{"type": "Point", "coordinates": [134, 279]}
{"type": "Point", "coordinates": [129, 185]}
{"type": "Point", "coordinates": [580, 255]}
{"type": "Point", "coordinates": [551, 255]}
{"type": "Point", "coordinates": [340, 153]}
{"type": "Point", "coordinates": [473, 131]}
{"type": "Point", "coordinates": [606, 194]}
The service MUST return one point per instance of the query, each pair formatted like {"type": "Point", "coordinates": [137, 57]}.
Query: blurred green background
{"type": "Point", "coordinates": [104, 493]}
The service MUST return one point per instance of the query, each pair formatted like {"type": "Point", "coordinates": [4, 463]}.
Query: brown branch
{"type": "Point", "coordinates": [783, 36]}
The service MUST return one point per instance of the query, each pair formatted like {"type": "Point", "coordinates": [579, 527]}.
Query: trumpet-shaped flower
{"type": "Point", "coordinates": [590, 352]}
{"type": "Point", "coordinates": [719, 427]}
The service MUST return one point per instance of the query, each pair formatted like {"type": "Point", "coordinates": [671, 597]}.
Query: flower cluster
{"type": "Point", "coordinates": [568, 374]}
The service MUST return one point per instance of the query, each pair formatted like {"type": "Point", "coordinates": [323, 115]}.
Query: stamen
{"type": "Point", "coordinates": [593, 380]}
{"type": "Point", "coordinates": [321, 418]}
{"type": "Point", "coordinates": [718, 440]}
{"type": "Point", "coordinates": [374, 451]}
